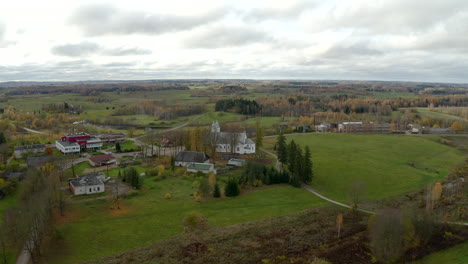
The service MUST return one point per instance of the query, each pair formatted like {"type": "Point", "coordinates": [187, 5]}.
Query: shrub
{"type": "Point", "coordinates": [168, 196]}
{"type": "Point", "coordinates": [232, 188]}
{"type": "Point", "coordinates": [216, 191]}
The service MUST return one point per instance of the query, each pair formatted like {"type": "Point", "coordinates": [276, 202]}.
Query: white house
{"type": "Point", "coordinates": [67, 147]}
{"type": "Point", "coordinates": [87, 184]}
{"type": "Point", "coordinates": [232, 142]}
{"type": "Point", "coordinates": [203, 167]}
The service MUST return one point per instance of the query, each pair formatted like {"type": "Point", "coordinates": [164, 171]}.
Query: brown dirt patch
{"type": "Point", "coordinates": [119, 209]}
{"type": "Point", "coordinates": [69, 216]}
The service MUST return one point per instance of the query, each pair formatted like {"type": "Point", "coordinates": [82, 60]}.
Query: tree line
{"type": "Point", "coordinates": [297, 162]}
{"type": "Point", "coordinates": [240, 106]}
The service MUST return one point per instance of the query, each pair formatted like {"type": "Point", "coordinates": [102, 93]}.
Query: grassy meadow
{"type": "Point", "coordinates": [454, 255]}
{"type": "Point", "coordinates": [388, 165]}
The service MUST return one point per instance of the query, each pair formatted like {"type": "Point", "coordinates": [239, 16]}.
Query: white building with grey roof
{"type": "Point", "coordinates": [228, 142]}
{"type": "Point", "coordinates": [87, 184]}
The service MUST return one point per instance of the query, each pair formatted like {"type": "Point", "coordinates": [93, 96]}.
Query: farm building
{"type": "Point", "coordinates": [184, 158]}
{"type": "Point", "coordinates": [232, 142]}
{"type": "Point", "coordinates": [112, 138]}
{"type": "Point", "coordinates": [202, 167]}
{"type": "Point", "coordinates": [39, 161]}
{"type": "Point", "coordinates": [102, 160]}
{"type": "Point", "coordinates": [87, 184]}
{"type": "Point", "coordinates": [236, 162]}
{"type": "Point", "coordinates": [35, 148]}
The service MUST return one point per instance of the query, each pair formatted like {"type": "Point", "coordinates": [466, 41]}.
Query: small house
{"type": "Point", "coordinates": [202, 167]}
{"type": "Point", "coordinates": [184, 158]}
{"type": "Point", "coordinates": [102, 160]}
{"type": "Point", "coordinates": [87, 184]}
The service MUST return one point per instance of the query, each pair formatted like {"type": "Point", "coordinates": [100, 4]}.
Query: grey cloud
{"type": "Point", "coordinates": [391, 16]}
{"type": "Point", "coordinates": [89, 48]}
{"type": "Point", "coordinates": [76, 50]}
{"type": "Point", "coordinates": [221, 37]}
{"type": "Point", "coordinates": [346, 51]}
{"type": "Point", "coordinates": [291, 12]}
{"type": "Point", "coordinates": [97, 20]}
{"type": "Point", "coordinates": [126, 52]}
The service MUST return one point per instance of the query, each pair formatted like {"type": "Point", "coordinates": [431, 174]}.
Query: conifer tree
{"type": "Point", "coordinates": [216, 191]}
{"type": "Point", "coordinates": [308, 169]}
{"type": "Point", "coordinates": [281, 149]}
{"type": "Point", "coordinates": [292, 154]}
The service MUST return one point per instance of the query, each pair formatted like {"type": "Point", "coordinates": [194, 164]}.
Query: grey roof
{"type": "Point", "coordinates": [191, 156]}
{"type": "Point", "coordinates": [13, 175]}
{"type": "Point", "coordinates": [99, 175]}
{"type": "Point", "coordinates": [26, 147]}
{"type": "Point", "coordinates": [86, 180]}
{"type": "Point", "coordinates": [67, 144]}
{"type": "Point", "coordinates": [228, 138]}
{"type": "Point", "coordinates": [39, 161]}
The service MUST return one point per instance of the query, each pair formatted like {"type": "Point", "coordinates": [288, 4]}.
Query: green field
{"type": "Point", "coordinates": [425, 112]}
{"type": "Point", "coordinates": [389, 165]}
{"type": "Point", "coordinates": [97, 231]}
{"type": "Point", "coordinates": [454, 255]}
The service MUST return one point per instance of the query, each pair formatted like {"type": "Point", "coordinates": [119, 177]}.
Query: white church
{"type": "Point", "coordinates": [232, 142]}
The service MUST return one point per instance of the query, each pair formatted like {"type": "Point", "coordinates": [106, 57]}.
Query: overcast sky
{"type": "Point", "coordinates": [417, 40]}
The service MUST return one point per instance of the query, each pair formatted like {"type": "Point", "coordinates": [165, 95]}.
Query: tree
{"type": "Point", "coordinates": [457, 127]}
{"type": "Point", "coordinates": [436, 193]}
{"type": "Point", "coordinates": [131, 177]}
{"type": "Point", "coordinates": [292, 156]}
{"type": "Point", "coordinates": [232, 188]}
{"type": "Point", "coordinates": [308, 166]}
{"type": "Point", "coordinates": [2, 138]}
{"type": "Point", "coordinates": [118, 149]}
{"type": "Point", "coordinates": [216, 191]}
{"type": "Point", "coordinates": [204, 187]}
{"type": "Point", "coordinates": [4, 151]}
{"type": "Point", "coordinates": [259, 136]}
{"type": "Point", "coordinates": [386, 236]}
{"type": "Point", "coordinates": [49, 151]}
{"type": "Point", "coordinates": [356, 192]}
{"type": "Point", "coordinates": [339, 223]}
{"type": "Point", "coordinates": [281, 149]}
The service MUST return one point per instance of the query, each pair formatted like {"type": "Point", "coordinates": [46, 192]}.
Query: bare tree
{"type": "Point", "coordinates": [386, 236]}
{"type": "Point", "coordinates": [357, 191]}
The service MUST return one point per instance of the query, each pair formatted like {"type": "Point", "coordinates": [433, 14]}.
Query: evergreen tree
{"type": "Point", "coordinates": [308, 170]}
{"type": "Point", "coordinates": [292, 153]}
{"type": "Point", "coordinates": [216, 191]}
{"type": "Point", "coordinates": [172, 163]}
{"type": "Point", "coordinates": [2, 138]}
{"type": "Point", "coordinates": [299, 165]}
{"type": "Point", "coordinates": [281, 149]}
{"type": "Point", "coordinates": [232, 188]}
{"type": "Point", "coordinates": [259, 137]}
{"type": "Point", "coordinates": [118, 149]}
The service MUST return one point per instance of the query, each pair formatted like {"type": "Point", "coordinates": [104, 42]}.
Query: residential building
{"type": "Point", "coordinates": [35, 148]}
{"type": "Point", "coordinates": [228, 142]}
{"type": "Point", "coordinates": [184, 158]}
{"type": "Point", "coordinates": [87, 184]}
{"type": "Point", "coordinates": [102, 160]}
{"type": "Point", "coordinates": [202, 167]}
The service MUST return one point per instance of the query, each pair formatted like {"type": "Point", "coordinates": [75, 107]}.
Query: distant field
{"type": "Point", "coordinates": [454, 255]}
{"type": "Point", "coordinates": [425, 112]}
{"type": "Point", "coordinates": [389, 165]}
{"type": "Point", "coordinates": [94, 230]}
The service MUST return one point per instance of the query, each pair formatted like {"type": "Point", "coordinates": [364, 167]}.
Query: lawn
{"type": "Point", "coordinates": [97, 231]}
{"type": "Point", "coordinates": [389, 165]}
{"type": "Point", "coordinates": [454, 255]}
{"type": "Point", "coordinates": [426, 112]}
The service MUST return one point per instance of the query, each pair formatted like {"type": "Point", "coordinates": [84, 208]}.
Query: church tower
{"type": "Point", "coordinates": [215, 128]}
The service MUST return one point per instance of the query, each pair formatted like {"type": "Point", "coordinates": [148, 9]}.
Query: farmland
{"type": "Point", "coordinates": [387, 165]}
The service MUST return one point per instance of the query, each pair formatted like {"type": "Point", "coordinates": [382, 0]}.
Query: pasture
{"type": "Point", "coordinates": [386, 165]}
{"type": "Point", "coordinates": [94, 230]}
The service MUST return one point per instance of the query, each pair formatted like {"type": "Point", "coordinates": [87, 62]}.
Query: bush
{"type": "Point", "coordinates": [216, 191]}
{"type": "Point", "coordinates": [232, 188]}
{"type": "Point", "coordinates": [168, 196]}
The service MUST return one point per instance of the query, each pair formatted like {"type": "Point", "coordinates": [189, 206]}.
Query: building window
{"type": "Point", "coordinates": [89, 189]}
{"type": "Point", "coordinates": [98, 189]}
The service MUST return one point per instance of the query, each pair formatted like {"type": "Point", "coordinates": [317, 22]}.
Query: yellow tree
{"type": "Point", "coordinates": [436, 193]}
{"type": "Point", "coordinates": [339, 223]}
{"type": "Point", "coordinates": [457, 127]}
{"type": "Point", "coordinates": [212, 179]}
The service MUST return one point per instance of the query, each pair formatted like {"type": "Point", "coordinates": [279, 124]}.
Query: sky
{"type": "Point", "coordinates": [65, 40]}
